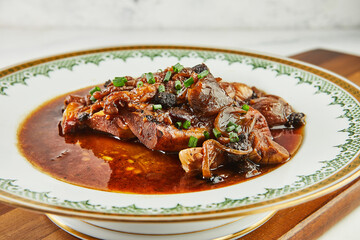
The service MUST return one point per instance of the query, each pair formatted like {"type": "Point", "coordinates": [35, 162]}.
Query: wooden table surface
{"type": "Point", "coordinates": [305, 221]}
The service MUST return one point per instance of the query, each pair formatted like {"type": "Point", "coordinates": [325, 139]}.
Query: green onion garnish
{"type": "Point", "coordinates": [157, 107]}
{"type": "Point", "coordinates": [230, 123]}
{"type": "Point", "coordinates": [233, 137]}
{"type": "Point", "coordinates": [216, 132]}
{"type": "Point", "coordinates": [206, 134]}
{"type": "Point", "coordinates": [177, 85]}
{"type": "Point", "coordinates": [238, 129]}
{"type": "Point", "coordinates": [93, 99]}
{"type": "Point", "coordinates": [178, 125]}
{"type": "Point", "coordinates": [150, 78]}
{"type": "Point", "coordinates": [230, 128]}
{"type": "Point", "coordinates": [245, 107]}
{"type": "Point", "coordinates": [186, 124]}
{"type": "Point", "coordinates": [192, 141]}
{"type": "Point", "coordinates": [188, 82]}
{"type": "Point", "coordinates": [119, 81]}
{"type": "Point", "coordinates": [177, 67]}
{"type": "Point", "coordinates": [161, 88]}
{"type": "Point", "coordinates": [95, 89]}
{"type": "Point", "coordinates": [167, 76]}
{"type": "Point", "coordinates": [203, 74]}
{"type": "Point", "coordinates": [139, 84]}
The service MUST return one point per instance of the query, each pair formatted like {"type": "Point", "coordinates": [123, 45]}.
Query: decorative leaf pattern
{"type": "Point", "coordinates": [349, 149]}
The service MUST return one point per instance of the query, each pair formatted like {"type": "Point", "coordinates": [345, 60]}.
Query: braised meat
{"type": "Point", "coordinates": [187, 110]}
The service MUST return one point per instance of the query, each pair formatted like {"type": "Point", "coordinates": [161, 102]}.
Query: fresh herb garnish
{"type": "Point", "coordinates": [178, 125]}
{"type": "Point", "coordinates": [95, 89]}
{"type": "Point", "coordinates": [188, 82]}
{"type": "Point", "coordinates": [233, 137]}
{"type": "Point", "coordinates": [177, 67]}
{"type": "Point", "coordinates": [157, 107]}
{"type": "Point", "coordinates": [192, 141]}
{"type": "Point", "coordinates": [245, 107]}
{"type": "Point", "coordinates": [203, 74]}
{"type": "Point", "coordinates": [206, 134]}
{"type": "Point", "coordinates": [150, 78]}
{"type": "Point", "coordinates": [93, 99]}
{"type": "Point", "coordinates": [161, 88]}
{"type": "Point", "coordinates": [177, 85]}
{"type": "Point", "coordinates": [167, 76]}
{"type": "Point", "coordinates": [139, 84]}
{"type": "Point", "coordinates": [186, 124]}
{"type": "Point", "coordinates": [119, 81]}
{"type": "Point", "coordinates": [216, 132]}
{"type": "Point", "coordinates": [230, 128]}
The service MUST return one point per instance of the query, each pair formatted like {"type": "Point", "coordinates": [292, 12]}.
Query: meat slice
{"type": "Point", "coordinates": [277, 111]}
{"type": "Point", "coordinates": [207, 97]}
{"type": "Point", "coordinates": [158, 135]}
{"type": "Point", "coordinates": [239, 92]}
{"type": "Point", "coordinates": [77, 116]}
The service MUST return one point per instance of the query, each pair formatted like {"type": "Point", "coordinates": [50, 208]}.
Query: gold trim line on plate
{"type": "Point", "coordinates": [299, 197]}
{"type": "Point", "coordinates": [166, 234]}
{"type": "Point", "coordinates": [76, 233]}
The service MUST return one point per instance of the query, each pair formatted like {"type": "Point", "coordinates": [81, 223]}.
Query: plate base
{"type": "Point", "coordinates": [84, 230]}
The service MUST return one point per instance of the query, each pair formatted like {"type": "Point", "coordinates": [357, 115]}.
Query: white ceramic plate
{"type": "Point", "coordinates": [327, 159]}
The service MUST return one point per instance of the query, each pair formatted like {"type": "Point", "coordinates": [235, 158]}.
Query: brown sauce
{"type": "Point", "coordinates": [99, 161]}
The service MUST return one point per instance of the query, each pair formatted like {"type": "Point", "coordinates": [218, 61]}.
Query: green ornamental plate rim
{"type": "Point", "coordinates": [347, 96]}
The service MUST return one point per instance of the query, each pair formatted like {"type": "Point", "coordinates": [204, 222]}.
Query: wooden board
{"type": "Point", "coordinates": [305, 221]}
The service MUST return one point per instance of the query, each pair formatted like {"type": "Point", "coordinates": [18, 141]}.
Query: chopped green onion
{"type": "Point", "coordinates": [177, 85]}
{"type": "Point", "coordinates": [177, 67]}
{"type": "Point", "coordinates": [119, 81]}
{"type": "Point", "coordinates": [216, 132]}
{"type": "Point", "coordinates": [192, 141]}
{"type": "Point", "coordinates": [139, 84]}
{"type": "Point", "coordinates": [206, 134]}
{"type": "Point", "coordinates": [230, 128]}
{"type": "Point", "coordinates": [161, 88]}
{"type": "Point", "coordinates": [178, 125]}
{"type": "Point", "coordinates": [150, 78]}
{"type": "Point", "coordinates": [245, 107]}
{"type": "Point", "coordinates": [233, 137]}
{"type": "Point", "coordinates": [230, 123]}
{"type": "Point", "coordinates": [95, 89]}
{"type": "Point", "coordinates": [178, 91]}
{"type": "Point", "coordinates": [238, 129]}
{"type": "Point", "coordinates": [157, 107]}
{"type": "Point", "coordinates": [186, 124]}
{"type": "Point", "coordinates": [167, 76]}
{"type": "Point", "coordinates": [93, 99]}
{"type": "Point", "coordinates": [188, 82]}
{"type": "Point", "coordinates": [203, 74]}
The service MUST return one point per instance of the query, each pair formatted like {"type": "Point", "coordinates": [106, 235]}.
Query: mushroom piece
{"type": "Point", "coordinates": [210, 156]}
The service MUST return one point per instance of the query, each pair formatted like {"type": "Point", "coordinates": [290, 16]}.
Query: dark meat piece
{"type": "Point", "coordinates": [207, 97]}
{"type": "Point", "coordinates": [295, 120]}
{"type": "Point", "coordinates": [200, 68]}
{"type": "Point", "coordinates": [277, 111]}
{"type": "Point", "coordinates": [166, 99]}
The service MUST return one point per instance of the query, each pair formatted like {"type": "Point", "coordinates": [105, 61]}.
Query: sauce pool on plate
{"type": "Point", "coordinates": [99, 161]}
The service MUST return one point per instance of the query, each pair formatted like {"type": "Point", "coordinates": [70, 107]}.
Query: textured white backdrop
{"type": "Point", "coordinates": [181, 14]}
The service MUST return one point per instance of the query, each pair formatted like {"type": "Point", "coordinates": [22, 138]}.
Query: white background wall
{"type": "Point", "coordinates": [181, 14]}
